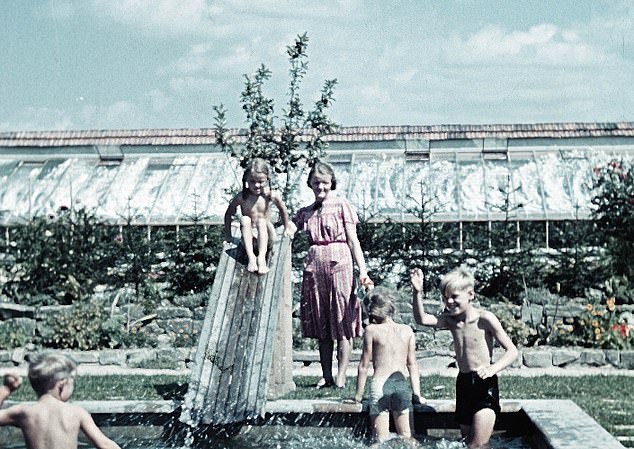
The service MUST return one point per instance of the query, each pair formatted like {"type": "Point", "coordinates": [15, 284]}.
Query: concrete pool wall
{"type": "Point", "coordinates": [547, 424]}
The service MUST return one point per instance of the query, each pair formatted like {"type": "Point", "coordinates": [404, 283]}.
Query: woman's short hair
{"type": "Point", "coordinates": [48, 368]}
{"type": "Point", "coordinates": [321, 168]}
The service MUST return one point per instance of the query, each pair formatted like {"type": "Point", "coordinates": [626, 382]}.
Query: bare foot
{"type": "Point", "coordinates": [252, 266]}
{"type": "Point", "coordinates": [262, 268]}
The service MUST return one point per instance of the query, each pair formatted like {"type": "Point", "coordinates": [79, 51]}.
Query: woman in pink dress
{"type": "Point", "coordinates": [329, 308]}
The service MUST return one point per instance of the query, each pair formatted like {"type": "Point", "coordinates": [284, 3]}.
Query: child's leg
{"type": "Point", "coordinates": [263, 244]}
{"type": "Point", "coordinates": [247, 240]}
{"type": "Point", "coordinates": [482, 428]}
{"type": "Point", "coordinates": [402, 423]}
{"type": "Point", "coordinates": [380, 427]}
{"type": "Point", "coordinates": [272, 235]}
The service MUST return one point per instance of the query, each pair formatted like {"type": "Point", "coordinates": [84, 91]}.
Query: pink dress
{"type": "Point", "coordinates": [329, 308]}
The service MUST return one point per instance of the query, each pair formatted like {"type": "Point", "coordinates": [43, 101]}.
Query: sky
{"type": "Point", "coordinates": [133, 64]}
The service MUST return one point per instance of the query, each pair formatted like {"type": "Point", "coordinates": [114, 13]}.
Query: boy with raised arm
{"type": "Point", "coordinates": [474, 332]}
{"type": "Point", "coordinates": [50, 423]}
{"type": "Point", "coordinates": [391, 348]}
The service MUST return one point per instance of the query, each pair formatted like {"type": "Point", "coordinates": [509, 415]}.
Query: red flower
{"type": "Point", "coordinates": [621, 329]}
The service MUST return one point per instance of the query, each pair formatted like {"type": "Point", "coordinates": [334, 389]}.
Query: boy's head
{"type": "Point", "coordinates": [380, 305]}
{"type": "Point", "coordinates": [48, 368]}
{"type": "Point", "coordinates": [457, 279]}
{"type": "Point", "coordinates": [457, 290]}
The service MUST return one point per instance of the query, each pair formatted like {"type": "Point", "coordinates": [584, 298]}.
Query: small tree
{"type": "Point", "coordinates": [282, 146]}
{"type": "Point", "coordinates": [614, 212]}
{"type": "Point", "coordinates": [60, 257]}
{"type": "Point", "coordinates": [193, 254]}
{"type": "Point", "coordinates": [506, 268]}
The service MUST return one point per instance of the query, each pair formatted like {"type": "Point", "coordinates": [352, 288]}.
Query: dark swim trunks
{"type": "Point", "coordinates": [474, 394]}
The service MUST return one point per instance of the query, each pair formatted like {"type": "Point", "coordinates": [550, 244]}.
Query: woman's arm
{"type": "Point", "coordinates": [357, 252]}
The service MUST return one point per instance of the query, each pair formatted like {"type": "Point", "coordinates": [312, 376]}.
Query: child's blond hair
{"type": "Point", "coordinates": [457, 279]}
{"type": "Point", "coordinates": [48, 368]}
{"type": "Point", "coordinates": [255, 165]}
{"type": "Point", "coordinates": [380, 305]}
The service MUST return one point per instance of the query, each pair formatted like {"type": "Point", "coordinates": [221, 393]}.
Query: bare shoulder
{"type": "Point", "coordinates": [17, 411]}
{"type": "Point", "coordinates": [370, 329]}
{"type": "Point", "coordinates": [236, 200]}
{"type": "Point", "coordinates": [406, 329]}
{"type": "Point", "coordinates": [70, 408]}
{"type": "Point", "coordinates": [488, 319]}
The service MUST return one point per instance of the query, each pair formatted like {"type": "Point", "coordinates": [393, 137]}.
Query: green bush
{"type": "Point", "coordinates": [614, 213]}
{"type": "Point", "coordinates": [63, 256]}
{"type": "Point", "coordinates": [599, 326]}
{"type": "Point", "coordinates": [15, 334]}
{"type": "Point", "coordinates": [85, 326]}
{"type": "Point", "coordinates": [520, 333]}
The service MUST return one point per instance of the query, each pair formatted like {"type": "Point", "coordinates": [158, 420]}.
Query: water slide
{"type": "Point", "coordinates": [232, 365]}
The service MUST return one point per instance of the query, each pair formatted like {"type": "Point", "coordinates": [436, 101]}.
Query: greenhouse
{"type": "Point", "coordinates": [461, 173]}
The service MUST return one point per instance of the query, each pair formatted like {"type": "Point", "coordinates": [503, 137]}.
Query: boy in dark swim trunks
{"type": "Point", "coordinates": [474, 332]}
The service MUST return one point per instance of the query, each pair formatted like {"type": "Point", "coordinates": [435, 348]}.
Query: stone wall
{"type": "Point", "coordinates": [186, 317]}
{"type": "Point", "coordinates": [181, 358]}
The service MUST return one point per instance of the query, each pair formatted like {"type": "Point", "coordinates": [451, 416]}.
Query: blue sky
{"type": "Point", "coordinates": [112, 64]}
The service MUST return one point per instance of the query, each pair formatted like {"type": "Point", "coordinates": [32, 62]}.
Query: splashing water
{"type": "Point", "coordinates": [293, 437]}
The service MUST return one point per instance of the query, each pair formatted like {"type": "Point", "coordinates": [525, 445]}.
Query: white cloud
{"type": "Point", "coordinates": [218, 17]}
{"type": "Point", "coordinates": [541, 44]}
{"type": "Point", "coordinates": [166, 16]}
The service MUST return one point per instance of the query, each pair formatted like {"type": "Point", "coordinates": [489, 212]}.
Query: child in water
{"type": "Point", "coordinates": [474, 333]}
{"type": "Point", "coordinates": [255, 206]}
{"type": "Point", "coordinates": [51, 422]}
{"type": "Point", "coordinates": [391, 347]}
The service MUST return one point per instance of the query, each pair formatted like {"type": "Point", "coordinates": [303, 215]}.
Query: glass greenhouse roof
{"type": "Point", "coordinates": [457, 179]}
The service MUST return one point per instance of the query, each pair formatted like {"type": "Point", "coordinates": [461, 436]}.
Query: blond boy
{"type": "Point", "coordinates": [474, 332]}
{"type": "Point", "coordinates": [395, 382]}
{"type": "Point", "coordinates": [50, 423]}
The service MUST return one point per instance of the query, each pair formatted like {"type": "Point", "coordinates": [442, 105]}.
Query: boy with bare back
{"type": "Point", "coordinates": [255, 206]}
{"type": "Point", "coordinates": [391, 348]}
{"type": "Point", "coordinates": [50, 423]}
{"type": "Point", "coordinates": [474, 332]}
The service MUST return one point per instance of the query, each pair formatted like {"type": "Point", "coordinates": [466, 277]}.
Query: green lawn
{"type": "Point", "coordinates": [608, 399]}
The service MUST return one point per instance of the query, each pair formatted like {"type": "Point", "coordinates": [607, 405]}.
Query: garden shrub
{"type": "Point", "coordinates": [85, 325]}
{"type": "Point", "coordinates": [614, 213]}
{"type": "Point", "coordinates": [191, 258]}
{"type": "Point", "coordinates": [16, 333]}
{"type": "Point", "coordinates": [601, 325]}
{"type": "Point", "coordinates": [63, 256]}
{"type": "Point", "coordinates": [520, 333]}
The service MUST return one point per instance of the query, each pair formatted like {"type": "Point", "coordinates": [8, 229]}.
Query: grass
{"type": "Point", "coordinates": [608, 399]}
